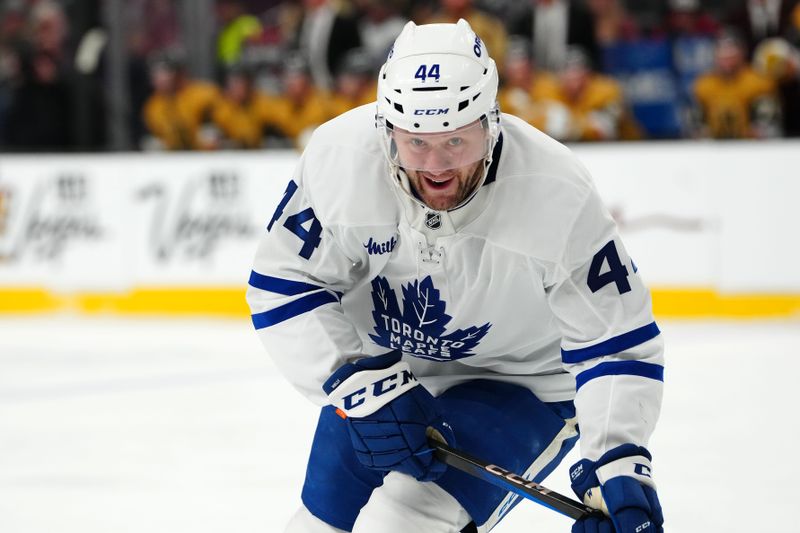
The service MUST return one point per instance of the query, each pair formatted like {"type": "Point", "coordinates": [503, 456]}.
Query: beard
{"type": "Point", "coordinates": [465, 183]}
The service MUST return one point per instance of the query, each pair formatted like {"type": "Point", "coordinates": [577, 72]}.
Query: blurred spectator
{"type": "Point", "coordinates": [756, 20]}
{"type": "Point", "coordinates": [12, 45]}
{"type": "Point", "coordinates": [356, 83]}
{"type": "Point", "coordinates": [244, 113]}
{"type": "Point", "coordinates": [650, 14]}
{"type": "Point", "coordinates": [692, 31]}
{"type": "Point", "coordinates": [380, 24]}
{"type": "Point", "coordinates": [778, 60]}
{"type": "Point", "coordinates": [527, 92]}
{"type": "Point", "coordinates": [324, 31]}
{"type": "Point", "coordinates": [40, 117]}
{"type": "Point", "coordinates": [421, 10]}
{"type": "Point", "coordinates": [301, 106]}
{"type": "Point", "coordinates": [237, 28]}
{"type": "Point", "coordinates": [152, 28]}
{"type": "Point", "coordinates": [612, 22]}
{"type": "Point", "coordinates": [794, 32]}
{"type": "Point", "coordinates": [490, 29]}
{"type": "Point", "coordinates": [736, 102]}
{"type": "Point", "coordinates": [13, 24]}
{"type": "Point", "coordinates": [689, 18]}
{"type": "Point", "coordinates": [678, 79]}
{"type": "Point", "coordinates": [594, 102]}
{"type": "Point", "coordinates": [49, 30]}
{"type": "Point", "coordinates": [152, 25]}
{"type": "Point", "coordinates": [552, 25]}
{"type": "Point", "coordinates": [179, 111]}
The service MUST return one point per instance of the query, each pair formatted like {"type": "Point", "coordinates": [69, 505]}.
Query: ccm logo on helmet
{"type": "Point", "coordinates": [431, 111]}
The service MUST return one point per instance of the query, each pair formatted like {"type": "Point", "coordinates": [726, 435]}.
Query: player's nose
{"type": "Point", "coordinates": [437, 171]}
{"type": "Point", "coordinates": [438, 162]}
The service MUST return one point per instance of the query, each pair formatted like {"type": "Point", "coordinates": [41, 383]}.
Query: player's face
{"type": "Point", "coordinates": [443, 168]}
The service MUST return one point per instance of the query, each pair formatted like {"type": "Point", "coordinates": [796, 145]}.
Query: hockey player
{"type": "Point", "coordinates": [455, 273]}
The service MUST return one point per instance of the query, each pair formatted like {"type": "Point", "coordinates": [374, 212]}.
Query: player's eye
{"type": "Point", "coordinates": [455, 141]}
{"type": "Point", "coordinates": [418, 143]}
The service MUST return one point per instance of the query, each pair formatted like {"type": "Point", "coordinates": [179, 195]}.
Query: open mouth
{"type": "Point", "coordinates": [438, 182]}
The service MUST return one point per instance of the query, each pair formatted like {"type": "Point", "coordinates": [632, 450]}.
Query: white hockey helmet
{"type": "Point", "coordinates": [439, 78]}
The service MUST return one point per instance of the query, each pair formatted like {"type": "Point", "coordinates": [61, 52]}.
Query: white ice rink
{"type": "Point", "coordinates": [184, 426]}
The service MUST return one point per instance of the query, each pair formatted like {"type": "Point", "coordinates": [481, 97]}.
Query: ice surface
{"type": "Point", "coordinates": [185, 426]}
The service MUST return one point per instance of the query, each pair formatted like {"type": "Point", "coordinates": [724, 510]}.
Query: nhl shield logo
{"type": "Point", "coordinates": [433, 220]}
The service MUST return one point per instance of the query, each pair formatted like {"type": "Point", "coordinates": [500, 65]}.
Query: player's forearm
{"type": "Point", "coordinates": [306, 335]}
{"type": "Point", "coordinates": [618, 398]}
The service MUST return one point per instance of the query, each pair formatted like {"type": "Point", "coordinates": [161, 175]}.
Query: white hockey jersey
{"type": "Point", "coordinates": [527, 283]}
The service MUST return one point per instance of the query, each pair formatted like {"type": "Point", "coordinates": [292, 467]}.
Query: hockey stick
{"type": "Point", "coordinates": [505, 479]}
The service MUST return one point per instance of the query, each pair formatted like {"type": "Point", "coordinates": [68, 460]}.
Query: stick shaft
{"type": "Point", "coordinates": [505, 479]}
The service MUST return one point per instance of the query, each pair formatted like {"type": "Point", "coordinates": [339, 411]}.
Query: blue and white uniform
{"type": "Point", "coordinates": [527, 284]}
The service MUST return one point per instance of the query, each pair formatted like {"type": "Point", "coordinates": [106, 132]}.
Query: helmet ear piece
{"type": "Point", "coordinates": [491, 118]}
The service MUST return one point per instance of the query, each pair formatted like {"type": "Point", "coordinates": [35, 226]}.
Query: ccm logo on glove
{"type": "Point", "coordinates": [642, 470]}
{"type": "Point", "coordinates": [389, 415]}
{"type": "Point", "coordinates": [378, 388]}
{"type": "Point", "coordinates": [364, 392]}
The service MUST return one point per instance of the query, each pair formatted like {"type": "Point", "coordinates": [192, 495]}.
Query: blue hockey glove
{"type": "Point", "coordinates": [388, 413]}
{"type": "Point", "coordinates": [619, 484]}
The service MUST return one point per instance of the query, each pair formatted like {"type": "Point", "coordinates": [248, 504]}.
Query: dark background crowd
{"type": "Point", "coordinates": [97, 75]}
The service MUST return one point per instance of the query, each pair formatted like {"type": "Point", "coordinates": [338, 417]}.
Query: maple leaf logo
{"type": "Point", "coordinates": [419, 329]}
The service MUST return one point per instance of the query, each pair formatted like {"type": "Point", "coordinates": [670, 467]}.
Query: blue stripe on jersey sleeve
{"type": "Point", "coordinates": [611, 346]}
{"type": "Point", "coordinates": [280, 286]}
{"type": "Point", "coordinates": [292, 309]}
{"type": "Point", "coordinates": [617, 368]}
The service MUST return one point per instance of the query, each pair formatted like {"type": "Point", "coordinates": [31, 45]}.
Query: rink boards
{"type": "Point", "coordinates": [712, 227]}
